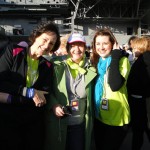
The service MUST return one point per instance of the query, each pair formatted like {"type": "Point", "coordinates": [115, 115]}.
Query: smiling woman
{"type": "Point", "coordinates": [112, 113]}
{"type": "Point", "coordinates": [27, 77]}
{"type": "Point", "coordinates": [43, 44]}
{"type": "Point", "coordinates": [69, 123]}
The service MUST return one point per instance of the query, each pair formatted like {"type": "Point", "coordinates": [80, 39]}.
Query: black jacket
{"type": "Point", "coordinates": [138, 83]}
{"type": "Point", "coordinates": [21, 122]}
{"type": "Point", "coordinates": [139, 78]}
{"type": "Point", "coordinates": [13, 74]}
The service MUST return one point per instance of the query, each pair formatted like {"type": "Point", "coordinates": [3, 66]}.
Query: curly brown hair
{"type": "Point", "coordinates": [44, 27]}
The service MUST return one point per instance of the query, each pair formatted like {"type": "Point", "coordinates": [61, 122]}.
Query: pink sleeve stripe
{"type": "Point", "coordinates": [48, 64]}
{"type": "Point", "coordinates": [16, 51]}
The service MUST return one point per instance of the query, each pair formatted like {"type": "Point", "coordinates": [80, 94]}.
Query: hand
{"type": "Point", "coordinates": [39, 98]}
{"type": "Point", "coordinates": [3, 97]}
{"type": "Point", "coordinates": [116, 54]}
{"type": "Point", "coordinates": [58, 111]}
{"type": "Point", "coordinates": [116, 46]}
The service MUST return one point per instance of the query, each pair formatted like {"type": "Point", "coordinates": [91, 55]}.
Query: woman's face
{"type": "Point", "coordinates": [43, 44]}
{"type": "Point", "coordinates": [76, 51]}
{"type": "Point", "coordinates": [103, 46]}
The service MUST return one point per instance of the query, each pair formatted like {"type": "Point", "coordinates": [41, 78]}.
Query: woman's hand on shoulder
{"type": "Point", "coordinates": [116, 45]}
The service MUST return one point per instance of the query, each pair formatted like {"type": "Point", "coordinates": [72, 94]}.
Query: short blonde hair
{"type": "Point", "coordinates": [142, 44]}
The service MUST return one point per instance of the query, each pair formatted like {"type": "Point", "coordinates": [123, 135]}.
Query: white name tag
{"type": "Point", "coordinates": [104, 104]}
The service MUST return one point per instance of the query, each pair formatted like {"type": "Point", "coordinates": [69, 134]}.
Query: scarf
{"type": "Point", "coordinates": [76, 68]}
{"type": "Point", "coordinates": [32, 72]}
{"type": "Point", "coordinates": [102, 68]}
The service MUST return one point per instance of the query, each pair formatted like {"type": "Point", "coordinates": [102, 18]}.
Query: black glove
{"type": "Point", "coordinates": [115, 79]}
{"type": "Point", "coordinates": [116, 54]}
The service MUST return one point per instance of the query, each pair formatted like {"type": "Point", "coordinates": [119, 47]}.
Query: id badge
{"type": "Point", "coordinates": [75, 104]}
{"type": "Point", "coordinates": [104, 103]}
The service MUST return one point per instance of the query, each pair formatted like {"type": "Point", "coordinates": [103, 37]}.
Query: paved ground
{"type": "Point", "coordinates": [127, 143]}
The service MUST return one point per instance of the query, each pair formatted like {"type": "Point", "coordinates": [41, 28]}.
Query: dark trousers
{"type": "Point", "coordinates": [20, 129]}
{"type": "Point", "coordinates": [108, 137]}
{"type": "Point", "coordinates": [139, 122]}
{"type": "Point", "coordinates": [75, 137]}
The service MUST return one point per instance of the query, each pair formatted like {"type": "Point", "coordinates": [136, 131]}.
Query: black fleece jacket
{"type": "Point", "coordinates": [138, 82]}
{"type": "Point", "coordinates": [116, 80]}
{"type": "Point", "coordinates": [13, 73]}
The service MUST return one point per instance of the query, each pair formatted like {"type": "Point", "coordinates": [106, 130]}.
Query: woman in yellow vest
{"type": "Point", "coordinates": [112, 112]}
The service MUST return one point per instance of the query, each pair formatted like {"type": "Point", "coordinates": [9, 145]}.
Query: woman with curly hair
{"type": "Point", "coordinates": [26, 79]}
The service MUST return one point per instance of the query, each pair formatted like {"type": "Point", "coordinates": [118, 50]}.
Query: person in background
{"type": "Point", "coordinates": [130, 41]}
{"type": "Point", "coordinates": [69, 117]}
{"type": "Point", "coordinates": [4, 41]}
{"type": "Point", "coordinates": [26, 80]}
{"type": "Point", "coordinates": [136, 51]}
{"type": "Point", "coordinates": [112, 112]}
{"type": "Point", "coordinates": [130, 54]}
{"type": "Point", "coordinates": [62, 48]}
{"type": "Point", "coordinates": [138, 90]}
{"type": "Point", "coordinates": [87, 52]}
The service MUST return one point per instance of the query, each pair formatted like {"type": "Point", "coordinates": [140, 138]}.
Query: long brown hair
{"type": "Point", "coordinates": [101, 32]}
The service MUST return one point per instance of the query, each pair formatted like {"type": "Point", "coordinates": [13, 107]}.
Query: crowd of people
{"type": "Point", "coordinates": [58, 93]}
